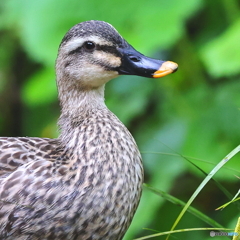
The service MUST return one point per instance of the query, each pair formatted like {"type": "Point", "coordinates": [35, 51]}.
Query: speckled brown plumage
{"type": "Point", "coordinates": [86, 184]}
{"type": "Point", "coordinates": [68, 193]}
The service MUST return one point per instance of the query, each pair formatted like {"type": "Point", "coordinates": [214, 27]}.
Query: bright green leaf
{"type": "Point", "coordinates": [40, 88]}
{"type": "Point", "coordinates": [221, 56]}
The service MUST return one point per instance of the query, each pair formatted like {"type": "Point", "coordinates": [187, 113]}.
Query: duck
{"type": "Point", "coordinates": [85, 184]}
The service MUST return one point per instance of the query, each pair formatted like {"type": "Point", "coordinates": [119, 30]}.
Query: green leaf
{"type": "Point", "coordinates": [221, 55]}
{"type": "Point", "coordinates": [42, 24]}
{"type": "Point", "coordinates": [40, 88]}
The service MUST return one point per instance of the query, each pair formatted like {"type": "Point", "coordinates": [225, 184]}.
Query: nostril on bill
{"type": "Point", "coordinates": [134, 59]}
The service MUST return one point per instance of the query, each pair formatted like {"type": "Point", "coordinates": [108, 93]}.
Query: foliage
{"type": "Point", "coordinates": [194, 112]}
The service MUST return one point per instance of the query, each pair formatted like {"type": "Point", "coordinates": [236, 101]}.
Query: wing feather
{"type": "Point", "coordinates": [17, 151]}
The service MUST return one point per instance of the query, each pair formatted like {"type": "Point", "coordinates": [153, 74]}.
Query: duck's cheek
{"type": "Point", "coordinates": [99, 77]}
{"type": "Point", "coordinates": [107, 60]}
{"type": "Point", "coordinates": [92, 76]}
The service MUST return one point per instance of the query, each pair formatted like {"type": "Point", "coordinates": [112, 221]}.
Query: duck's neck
{"type": "Point", "coordinates": [75, 102]}
{"type": "Point", "coordinates": [77, 106]}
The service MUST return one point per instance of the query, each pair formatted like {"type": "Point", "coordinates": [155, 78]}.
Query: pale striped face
{"type": "Point", "coordinates": [91, 61]}
{"type": "Point", "coordinates": [93, 52]}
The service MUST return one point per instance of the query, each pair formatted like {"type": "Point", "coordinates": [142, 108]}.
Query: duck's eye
{"type": "Point", "coordinates": [89, 45]}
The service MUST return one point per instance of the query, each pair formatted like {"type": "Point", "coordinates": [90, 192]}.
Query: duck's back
{"type": "Point", "coordinates": [17, 151]}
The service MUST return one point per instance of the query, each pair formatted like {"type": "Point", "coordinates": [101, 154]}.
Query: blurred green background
{"type": "Point", "coordinates": [193, 113]}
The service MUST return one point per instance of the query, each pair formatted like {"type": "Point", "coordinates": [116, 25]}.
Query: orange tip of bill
{"type": "Point", "coordinates": [165, 69]}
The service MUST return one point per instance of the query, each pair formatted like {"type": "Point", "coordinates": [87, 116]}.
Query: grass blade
{"type": "Point", "coordinates": [191, 210]}
{"type": "Point", "coordinates": [203, 183]}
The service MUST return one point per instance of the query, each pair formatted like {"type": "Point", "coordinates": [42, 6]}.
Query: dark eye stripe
{"type": "Point", "coordinates": [104, 48]}
{"type": "Point", "coordinates": [108, 49]}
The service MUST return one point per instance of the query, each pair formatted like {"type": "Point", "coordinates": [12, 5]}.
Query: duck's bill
{"type": "Point", "coordinates": [166, 68]}
{"type": "Point", "coordinates": [135, 63]}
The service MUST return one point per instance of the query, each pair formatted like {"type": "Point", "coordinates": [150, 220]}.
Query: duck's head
{"type": "Point", "coordinates": [93, 52]}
